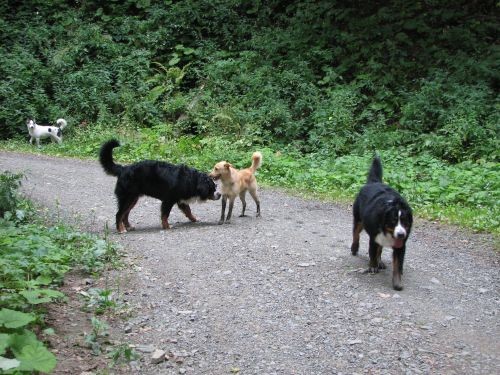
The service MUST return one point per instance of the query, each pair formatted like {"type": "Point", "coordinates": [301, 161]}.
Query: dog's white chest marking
{"type": "Point", "coordinates": [384, 239]}
{"type": "Point", "coordinates": [387, 239]}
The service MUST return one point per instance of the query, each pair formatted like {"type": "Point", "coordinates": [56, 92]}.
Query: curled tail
{"type": "Point", "coordinates": [106, 158]}
{"type": "Point", "coordinates": [256, 161]}
{"type": "Point", "coordinates": [375, 173]}
{"type": "Point", "coordinates": [61, 123]}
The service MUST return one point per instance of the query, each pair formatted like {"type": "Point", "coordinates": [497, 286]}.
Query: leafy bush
{"type": "Point", "coordinates": [316, 75]}
{"type": "Point", "coordinates": [9, 197]}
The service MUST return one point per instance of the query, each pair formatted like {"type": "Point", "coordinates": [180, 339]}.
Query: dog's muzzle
{"type": "Point", "coordinates": [216, 196]}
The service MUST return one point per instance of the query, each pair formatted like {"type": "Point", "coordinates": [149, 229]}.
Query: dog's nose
{"type": "Point", "coordinates": [400, 235]}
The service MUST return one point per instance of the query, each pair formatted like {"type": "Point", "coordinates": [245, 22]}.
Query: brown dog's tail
{"type": "Point", "coordinates": [256, 161]}
{"type": "Point", "coordinates": [106, 158]}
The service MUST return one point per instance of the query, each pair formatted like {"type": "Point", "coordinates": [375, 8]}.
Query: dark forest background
{"type": "Point", "coordinates": [327, 77]}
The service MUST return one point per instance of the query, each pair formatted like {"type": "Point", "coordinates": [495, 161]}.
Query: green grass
{"type": "Point", "coordinates": [465, 194]}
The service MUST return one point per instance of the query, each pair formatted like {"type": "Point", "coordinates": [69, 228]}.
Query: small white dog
{"type": "Point", "coordinates": [38, 132]}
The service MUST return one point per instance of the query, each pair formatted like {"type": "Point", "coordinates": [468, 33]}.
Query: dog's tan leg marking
{"type": "Point", "coordinates": [166, 207]}
{"type": "Point", "coordinates": [243, 202]}
{"type": "Point", "coordinates": [127, 212]}
{"type": "Point", "coordinates": [121, 228]}
{"type": "Point", "coordinates": [164, 222]}
{"type": "Point", "coordinates": [357, 228]}
{"type": "Point", "coordinates": [187, 211]}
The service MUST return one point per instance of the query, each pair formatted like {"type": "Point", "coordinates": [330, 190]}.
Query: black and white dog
{"type": "Point", "coordinates": [384, 214]}
{"type": "Point", "coordinates": [38, 132]}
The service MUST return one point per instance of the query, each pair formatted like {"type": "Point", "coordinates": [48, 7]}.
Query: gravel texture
{"type": "Point", "coordinates": [282, 294]}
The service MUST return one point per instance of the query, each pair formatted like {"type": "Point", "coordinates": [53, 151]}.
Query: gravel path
{"type": "Point", "coordinates": [281, 294]}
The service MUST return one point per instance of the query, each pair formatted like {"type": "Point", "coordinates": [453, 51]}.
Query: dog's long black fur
{"type": "Point", "coordinates": [386, 217]}
{"type": "Point", "coordinates": [172, 184]}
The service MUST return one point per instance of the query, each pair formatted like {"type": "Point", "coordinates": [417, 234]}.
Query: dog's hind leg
{"type": "Point", "coordinates": [55, 138]}
{"type": "Point", "coordinates": [127, 212]}
{"type": "Point", "coordinates": [253, 193]}
{"type": "Point", "coordinates": [184, 207]}
{"type": "Point", "coordinates": [243, 202]}
{"type": "Point", "coordinates": [124, 206]}
{"type": "Point", "coordinates": [356, 231]}
{"type": "Point", "coordinates": [166, 207]}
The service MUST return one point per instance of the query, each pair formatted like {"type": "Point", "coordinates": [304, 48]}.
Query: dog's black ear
{"type": "Point", "coordinates": [206, 187]}
{"type": "Point", "coordinates": [390, 210]}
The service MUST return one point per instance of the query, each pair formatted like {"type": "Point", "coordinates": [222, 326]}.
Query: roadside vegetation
{"type": "Point", "coordinates": [319, 86]}
{"type": "Point", "coordinates": [34, 257]}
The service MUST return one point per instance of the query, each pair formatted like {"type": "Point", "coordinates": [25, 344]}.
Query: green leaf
{"type": "Point", "coordinates": [14, 319]}
{"type": "Point", "coordinates": [17, 341]}
{"type": "Point", "coordinates": [38, 296]}
{"type": "Point", "coordinates": [4, 342]}
{"type": "Point", "coordinates": [174, 60]}
{"type": "Point", "coordinates": [37, 358]}
{"type": "Point", "coordinates": [8, 364]}
{"type": "Point", "coordinates": [155, 93]}
{"type": "Point", "coordinates": [43, 280]}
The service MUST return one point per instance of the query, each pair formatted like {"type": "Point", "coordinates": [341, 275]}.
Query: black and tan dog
{"type": "Point", "coordinates": [383, 213]}
{"type": "Point", "coordinates": [172, 184]}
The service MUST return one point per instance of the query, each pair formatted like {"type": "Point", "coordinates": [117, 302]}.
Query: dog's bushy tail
{"type": "Point", "coordinates": [61, 123]}
{"type": "Point", "coordinates": [106, 158]}
{"type": "Point", "coordinates": [375, 173]}
{"type": "Point", "coordinates": [256, 161]}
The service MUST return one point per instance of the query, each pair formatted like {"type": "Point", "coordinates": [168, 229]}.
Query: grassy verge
{"type": "Point", "coordinates": [465, 194]}
{"type": "Point", "coordinates": [34, 257]}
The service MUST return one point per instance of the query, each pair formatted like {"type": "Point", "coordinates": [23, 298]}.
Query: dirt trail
{"type": "Point", "coordinates": [281, 294]}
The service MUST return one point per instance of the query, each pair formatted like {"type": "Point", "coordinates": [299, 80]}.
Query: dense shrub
{"type": "Point", "coordinates": [320, 76]}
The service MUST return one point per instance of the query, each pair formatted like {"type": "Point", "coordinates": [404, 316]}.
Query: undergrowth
{"type": "Point", "coordinates": [34, 257]}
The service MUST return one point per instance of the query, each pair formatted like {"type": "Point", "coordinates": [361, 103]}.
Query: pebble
{"type": "Point", "coordinates": [158, 356]}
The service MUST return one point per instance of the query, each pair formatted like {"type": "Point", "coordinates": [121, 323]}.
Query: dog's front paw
{"type": "Point", "coordinates": [354, 248]}
{"type": "Point", "coordinates": [372, 270]}
{"type": "Point", "coordinates": [220, 222]}
{"type": "Point", "coordinates": [396, 282]}
{"type": "Point", "coordinates": [381, 265]}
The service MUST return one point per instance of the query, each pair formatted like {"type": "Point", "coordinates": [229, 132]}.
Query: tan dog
{"type": "Point", "coordinates": [235, 183]}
